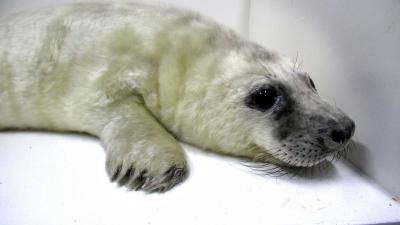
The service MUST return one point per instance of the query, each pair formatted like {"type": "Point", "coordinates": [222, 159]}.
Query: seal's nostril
{"type": "Point", "coordinates": [338, 136]}
{"type": "Point", "coordinates": [350, 129]}
{"type": "Point", "coordinates": [350, 132]}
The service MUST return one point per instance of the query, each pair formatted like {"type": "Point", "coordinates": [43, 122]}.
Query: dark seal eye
{"type": "Point", "coordinates": [262, 99]}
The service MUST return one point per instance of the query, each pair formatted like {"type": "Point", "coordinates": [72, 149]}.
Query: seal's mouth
{"type": "Point", "coordinates": [301, 154]}
{"type": "Point", "coordinates": [312, 145]}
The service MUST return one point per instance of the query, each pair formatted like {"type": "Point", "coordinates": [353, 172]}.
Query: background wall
{"type": "Point", "coordinates": [352, 51]}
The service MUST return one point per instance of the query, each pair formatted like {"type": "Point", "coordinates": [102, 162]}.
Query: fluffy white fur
{"type": "Point", "coordinates": [137, 76]}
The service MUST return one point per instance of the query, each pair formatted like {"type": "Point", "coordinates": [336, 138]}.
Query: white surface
{"type": "Point", "coordinates": [352, 51]}
{"type": "Point", "coordinates": [60, 179]}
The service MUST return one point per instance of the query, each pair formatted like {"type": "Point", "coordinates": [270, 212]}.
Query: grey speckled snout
{"type": "Point", "coordinates": [311, 131]}
{"type": "Point", "coordinates": [336, 133]}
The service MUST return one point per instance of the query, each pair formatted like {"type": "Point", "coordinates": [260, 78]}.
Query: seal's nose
{"type": "Point", "coordinates": [343, 135]}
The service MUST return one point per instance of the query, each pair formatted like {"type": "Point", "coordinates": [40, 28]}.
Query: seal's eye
{"type": "Point", "coordinates": [312, 83]}
{"type": "Point", "coordinates": [262, 99]}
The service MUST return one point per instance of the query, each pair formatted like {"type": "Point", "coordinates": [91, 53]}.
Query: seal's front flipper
{"type": "Point", "coordinates": [141, 154]}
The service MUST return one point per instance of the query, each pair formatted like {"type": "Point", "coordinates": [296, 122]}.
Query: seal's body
{"type": "Point", "coordinates": [139, 76]}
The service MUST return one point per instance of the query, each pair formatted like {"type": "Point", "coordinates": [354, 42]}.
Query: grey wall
{"type": "Point", "coordinates": [352, 51]}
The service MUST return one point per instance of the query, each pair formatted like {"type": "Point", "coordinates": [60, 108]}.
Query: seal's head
{"type": "Point", "coordinates": [294, 125]}
{"type": "Point", "coordinates": [267, 104]}
{"type": "Point", "coordinates": [298, 127]}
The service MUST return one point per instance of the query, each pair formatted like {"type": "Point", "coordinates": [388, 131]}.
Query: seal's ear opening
{"type": "Point", "coordinates": [306, 77]}
{"type": "Point", "coordinates": [312, 83]}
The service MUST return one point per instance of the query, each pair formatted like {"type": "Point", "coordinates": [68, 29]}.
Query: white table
{"type": "Point", "coordinates": [60, 179]}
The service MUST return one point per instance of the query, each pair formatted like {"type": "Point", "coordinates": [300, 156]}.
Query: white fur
{"type": "Point", "coordinates": [129, 73]}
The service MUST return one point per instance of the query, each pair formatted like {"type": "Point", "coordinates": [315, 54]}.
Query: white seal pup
{"type": "Point", "coordinates": [142, 77]}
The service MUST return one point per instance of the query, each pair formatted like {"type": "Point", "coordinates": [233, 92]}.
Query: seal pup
{"type": "Point", "coordinates": [141, 77]}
